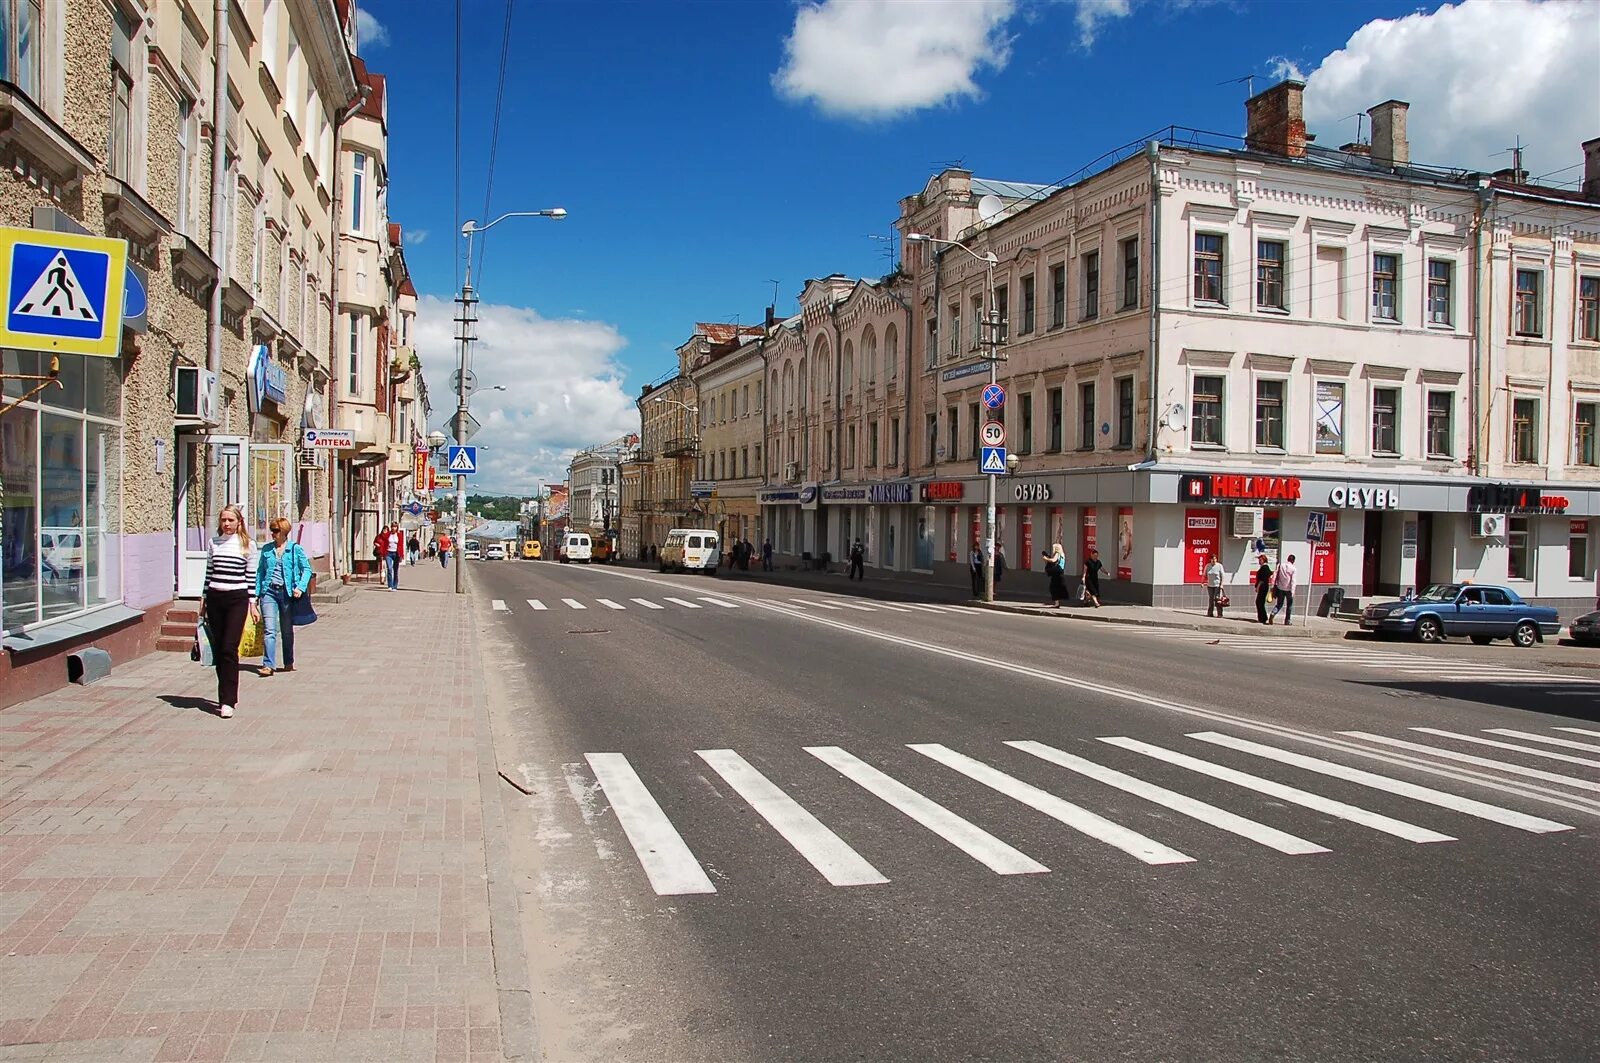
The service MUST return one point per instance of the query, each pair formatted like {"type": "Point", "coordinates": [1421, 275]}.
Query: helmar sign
{"type": "Point", "coordinates": [1211, 487]}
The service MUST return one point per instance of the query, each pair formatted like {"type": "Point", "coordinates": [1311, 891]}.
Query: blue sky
{"type": "Point", "coordinates": [705, 150]}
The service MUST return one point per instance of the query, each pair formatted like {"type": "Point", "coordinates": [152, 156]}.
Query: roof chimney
{"type": "Point", "coordinates": [1390, 148]}
{"type": "Point", "coordinates": [1591, 168]}
{"type": "Point", "coordinates": [1275, 120]}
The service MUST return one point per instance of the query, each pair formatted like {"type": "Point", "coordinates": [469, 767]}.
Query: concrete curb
{"type": "Point", "coordinates": [1246, 628]}
{"type": "Point", "coordinates": [519, 1036]}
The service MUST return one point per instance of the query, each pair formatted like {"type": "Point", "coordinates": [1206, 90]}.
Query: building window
{"type": "Point", "coordinates": [1055, 400]}
{"type": "Point", "coordinates": [872, 444]}
{"type": "Point", "coordinates": [119, 147]}
{"type": "Point", "coordinates": [1205, 422]}
{"type": "Point", "coordinates": [933, 438]}
{"type": "Point", "coordinates": [1025, 435]}
{"type": "Point", "coordinates": [358, 191]}
{"type": "Point", "coordinates": [1441, 284]}
{"type": "Point", "coordinates": [1269, 414]}
{"type": "Point", "coordinates": [186, 149]}
{"type": "Point", "coordinates": [1330, 417]}
{"type": "Point", "coordinates": [1002, 317]}
{"type": "Point", "coordinates": [1583, 421]}
{"type": "Point", "coordinates": [954, 350]}
{"type": "Point", "coordinates": [850, 446]}
{"type": "Point", "coordinates": [952, 423]}
{"type": "Point", "coordinates": [1086, 416]}
{"type": "Point", "coordinates": [1525, 431]}
{"type": "Point", "coordinates": [1517, 566]}
{"type": "Point", "coordinates": [933, 342]}
{"type": "Point", "coordinates": [1208, 255]}
{"type": "Point", "coordinates": [1125, 412]}
{"type": "Point", "coordinates": [1269, 275]}
{"type": "Point", "coordinates": [1130, 273]}
{"type": "Point", "coordinates": [891, 352]}
{"type": "Point", "coordinates": [1578, 549]}
{"type": "Point", "coordinates": [1091, 286]}
{"type": "Point", "coordinates": [1058, 296]}
{"type": "Point", "coordinates": [1589, 308]}
{"type": "Point", "coordinates": [979, 319]}
{"type": "Point", "coordinates": [1528, 313]}
{"type": "Point", "coordinates": [353, 376]}
{"type": "Point", "coordinates": [974, 418]}
{"type": "Point", "coordinates": [1385, 287]}
{"type": "Point", "coordinates": [1027, 305]}
{"type": "Point", "coordinates": [1441, 427]}
{"type": "Point", "coordinates": [1386, 420]}
{"type": "Point", "coordinates": [761, 470]}
{"type": "Point", "coordinates": [21, 25]}
{"type": "Point", "coordinates": [894, 441]}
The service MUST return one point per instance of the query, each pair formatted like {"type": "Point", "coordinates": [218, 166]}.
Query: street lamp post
{"type": "Point", "coordinates": [989, 337]}
{"type": "Point", "coordinates": [694, 422]}
{"type": "Point", "coordinates": [468, 318]}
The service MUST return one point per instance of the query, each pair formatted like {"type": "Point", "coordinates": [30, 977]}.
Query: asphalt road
{"type": "Point", "coordinates": [764, 824]}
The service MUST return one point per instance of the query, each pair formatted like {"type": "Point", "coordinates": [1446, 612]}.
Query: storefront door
{"type": "Point", "coordinates": [1371, 553]}
{"type": "Point", "coordinates": [1424, 551]}
{"type": "Point", "coordinates": [211, 474]}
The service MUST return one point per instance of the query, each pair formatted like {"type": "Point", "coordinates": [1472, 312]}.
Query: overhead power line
{"type": "Point", "coordinates": [494, 136]}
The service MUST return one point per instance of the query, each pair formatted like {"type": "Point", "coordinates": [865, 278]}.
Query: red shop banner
{"type": "Point", "coordinates": [1202, 537]}
{"type": "Point", "coordinates": [1026, 561]}
{"type": "Point", "coordinates": [1125, 542]}
{"type": "Point", "coordinates": [1091, 533]}
{"type": "Point", "coordinates": [1325, 555]}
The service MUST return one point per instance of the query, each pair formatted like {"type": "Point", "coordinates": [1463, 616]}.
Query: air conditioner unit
{"type": "Point", "coordinates": [1488, 525]}
{"type": "Point", "coordinates": [195, 394]}
{"type": "Point", "coordinates": [791, 472]}
{"type": "Point", "coordinates": [1247, 522]}
{"type": "Point", "coordinates": [310, 459]}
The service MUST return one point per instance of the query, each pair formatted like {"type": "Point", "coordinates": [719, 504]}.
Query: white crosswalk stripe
{"type": "Point", "coordinates": [1468, 758]}
{"type": "Point", "coordinates": [825, 850]}
{"type": "Point", "coordinates": [1328, 806]}
{"type": "Point", "coordinates": [680, 601]}
{"type": "Point", "coordinates": [1579, 731]}
{"type": "Point", "coordinates": [1548, 754]}
{"type": "Point", "coordinates": [646, 602]}
{"type": "Point", "coordinates": [819, 605]}
{"type": "Point", "coordinates": [891, 607]}
{"type": "Point", "coordinates": [662, 852]}
{"type": "Point", "coordinates": [500, 606]}
{"type": "Point", "coordinates": [718, 601]}
{"type": "Point", "coordinates": [1526, 736]}
{"type": "Point", "coordinates": [609, 604]}
{"type": "Point", "coordinates": [536, 605]}
{"type": "Point", "coordinates": [573, 603]}
{"type": "Point", "coordinates": [1101, 829]}
{"type": "Point", "coordinates": [851, 605]}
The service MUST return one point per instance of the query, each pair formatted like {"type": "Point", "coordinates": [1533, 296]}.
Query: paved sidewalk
{"type": "Point", "coordinates": [310, 880]}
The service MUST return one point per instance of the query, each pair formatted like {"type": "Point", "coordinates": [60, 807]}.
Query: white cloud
{"type": "Point", "coordinates": [564, 389]}
{"type": "Point", "coordinates": [1092, 13]}
{"type": "Point", "coordinates": [1477, 75]}
{"type": "Point", "coordinates": [1283, 68]}
{"type": "Point", "coordinates": [414, 237]}
{"type": "Point", "coordinates": [884, 58]}
{"type": "Point", "coordinates": [369, 31]}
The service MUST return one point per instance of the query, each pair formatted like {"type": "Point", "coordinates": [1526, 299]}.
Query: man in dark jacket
{"type": "Point", "coordinates": [1263, 587]}
{"type": "Point", "coordinates": [858, 561]}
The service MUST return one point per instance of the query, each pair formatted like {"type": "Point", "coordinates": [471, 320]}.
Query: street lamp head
{"type": "Point", "coordinates": [1012, 461]}
{"type": "Point", "coordinates": [557, 212]}
{"type": "Point", "coordinates": [436, 439]}
{"type": "Point", "coordinates": [498, 387]}
{"type": "Point", "coordinates": [918, 238]}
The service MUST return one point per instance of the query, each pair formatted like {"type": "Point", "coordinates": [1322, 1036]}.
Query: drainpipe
{"type": "Point", "coordinates": [905, 393]}
{"type": "Point", "coordinates": [838, 393]}
{"type": "Point", "coordinates": [938, 334]}
{"type": "Point", "coordinates": [1153, 153]}
{"type": "Point", "coordinates": [219, 180]}
{"type": "Point", "coordinates": [1481, 311]}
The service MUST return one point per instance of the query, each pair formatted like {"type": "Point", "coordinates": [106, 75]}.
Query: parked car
{"type": "Point", "coordinates": [1481, 612]}
{"type": "Point", "coordinates": [1585, 630]}
{"type": "Point", "coordinates": [494, 552]}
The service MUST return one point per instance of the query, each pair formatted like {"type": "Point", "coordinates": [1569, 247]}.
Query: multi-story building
{"type": "Point", "coordinates": [730, 384]}
{"type": "Point", "coordinates": [1204, 345]}
{"type": "Point", "coordinates": [592, 477]}
{"type": "Point", "coordinates": [115, 123]}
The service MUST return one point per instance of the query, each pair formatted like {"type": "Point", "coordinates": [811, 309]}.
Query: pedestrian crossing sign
{"type": "Point", "coordinates": [993, 460]}
{"type": "Point", "coordinates": [63, 292]}
{"type": "Point", "coordinates": [463, 461]}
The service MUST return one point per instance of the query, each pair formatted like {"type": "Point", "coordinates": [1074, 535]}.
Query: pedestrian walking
{"type": "Point", "coordinates": [858, 561]}
{"type": "Point", "coordinates": [766, 555]}
{"type": "Point", "coordinates": [391, 543]}
{"type": "Point", "coordinates": [413, 549]}
{"type": "Point", "coordinates": [975, 563]}
{"type": "Point", "coordinates": [226, 604]}
{"type": "Point", "coordinates": [745, 550]}
{"type": "Point", "coordinates": [1091, 578]}
{"type": "Point", "coordinates": [1284, 584]}
{"type": "Point", "coordinates": [1055, 566]}
{"type": "Point", "coordinates": [1215, 599]}
{"type": "Point", "coordinates": [999, 565]}
{"type": "Point", "coordinates": [444, 550]}
{"type": "Point", "coordinates": [283, 574]}
{"type": "Point", "coordinates": [1263, 588]}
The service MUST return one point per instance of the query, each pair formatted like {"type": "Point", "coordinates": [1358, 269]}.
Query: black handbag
{"type": "Point", "coordinates": [301, 611]}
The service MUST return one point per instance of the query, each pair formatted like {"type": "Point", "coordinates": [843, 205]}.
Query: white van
{"type": "Point", "coordinates": [575, 546]}
{"type": "Point", "coordinates": [691, 550]}
{"type": "Point", "coordinates": [473, 550]}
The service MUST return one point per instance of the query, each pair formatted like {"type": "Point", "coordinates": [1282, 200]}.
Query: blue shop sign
{"type": "Point", "coordinates": [269, 378]}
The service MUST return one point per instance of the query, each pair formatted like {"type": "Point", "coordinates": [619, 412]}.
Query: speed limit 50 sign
{"type": "Point", "coordinates": [994, 434]}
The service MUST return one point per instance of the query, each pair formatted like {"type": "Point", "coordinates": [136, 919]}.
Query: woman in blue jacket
{"type": "Point", "coordinates": [283, 574]}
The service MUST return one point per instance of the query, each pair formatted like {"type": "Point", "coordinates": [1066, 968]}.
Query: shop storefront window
{"type": "Point", "coordinates": [925, 534]}
{"type": "Point", "coordinates": [1517, 552]}
{"type": "Point", "coordinates": [1578, 549]}
{"type": "Point", "coordinates": [60, 522]}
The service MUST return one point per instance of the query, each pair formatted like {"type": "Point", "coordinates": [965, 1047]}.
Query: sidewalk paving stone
{"type": "Point", "coordinates": [309, 880]}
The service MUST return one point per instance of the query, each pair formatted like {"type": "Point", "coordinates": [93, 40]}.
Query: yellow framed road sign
{"type": "Point", "coordinates": [62, 292]}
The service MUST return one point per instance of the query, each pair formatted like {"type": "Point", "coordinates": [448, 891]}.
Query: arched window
{"type": "Point", "coordinates": [869, 357]}
{"type": "Point", "coordinates": [891, 352]}
{"type": "Point", "coordinates": [788, 388]}
{"type": "Point", "coordinates": [802, 385]}
{"type": "Point", "coordinates": [849, 366]}
{"type": "Point", "coordinates": [821, 378]}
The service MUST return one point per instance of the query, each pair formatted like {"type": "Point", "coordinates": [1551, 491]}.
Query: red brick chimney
{"type": "Point", "coordinates": [1275, 120]}
{"type": "Point", "coordinates": [1591, 169]}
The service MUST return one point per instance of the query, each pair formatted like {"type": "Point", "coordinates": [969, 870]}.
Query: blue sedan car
{"type": "Point", "coordinates": [1482, 613]}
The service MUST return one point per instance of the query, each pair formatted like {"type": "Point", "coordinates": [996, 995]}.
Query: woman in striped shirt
{"type": "Point", "coordinates": [227, 602]}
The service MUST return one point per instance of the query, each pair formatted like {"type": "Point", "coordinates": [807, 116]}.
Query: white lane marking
{"type": "Point", "coordinates": [1326, 805]}
{"type": "Point", "coordinates": [819, 605]}
{"type": "Point", "coordinates": [1131, 842]}
{"type": "Point", "coordinates": [609, 604]}
{"type": "Point", "coordinates": [851, 605]}
{"type": "Point", "coordinates": [943, 608]}
{"type": "Point", "coordinates": [1547, 754]}
{"type": "Point", "coordinates": [1565, 743]}
{"type": "Point", "coordinates": [919, 607]}
{"type": "Point", "coordinates": [536, 604]}
{"type": "Point", "coordinates": [647, 603]}
{"type": "Point", "coordinates": [892, 608]}
{"type": "Point", "coordinates": [971, 839]}
{"type": "Point", "coordinates": [662, 852]}
{"type": "Point", "coordinates": [1427, 795]}
{"type": "Point", "coordinates": [825, 850]}
{"type": "Point", "coordinates": [718, 601]}
{"type": "Point", "coordinates": [1188, 806]}
{"type": "Point", "coordinates": [500, 606]}
{"type": "Point", "coordinates": [1580, 731]}
{"type": "Point", "coordinates": [1467, 758]}
{"type": "Point", "coordinates": [574, 603]}
{"type": "Point", "coordinates": [680, 601]}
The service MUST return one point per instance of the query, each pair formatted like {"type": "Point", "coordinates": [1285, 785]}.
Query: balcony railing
{"type": "Point", "coordinates": [644, 505]}
{"type": "Point", "coordinates": [686, 447]}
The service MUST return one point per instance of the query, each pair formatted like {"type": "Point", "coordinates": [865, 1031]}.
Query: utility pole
{"type": "Point", "coordinates": [468, 303]}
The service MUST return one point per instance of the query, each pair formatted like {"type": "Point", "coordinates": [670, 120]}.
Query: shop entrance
{"type": "Point", "coordinates": [214, 471]}
{"type": "Point", "coordinates": [1371, 553]}
{"type": "Point", "coordinates": [1424, 550]}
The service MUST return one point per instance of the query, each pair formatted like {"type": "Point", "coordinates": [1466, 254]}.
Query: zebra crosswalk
{"type": "Point", "coordinates": [1313, 801]}
{"type": "Point", "coordinates": [1392, 662]}
{"type": "Point", "coordinates": [701, 601]}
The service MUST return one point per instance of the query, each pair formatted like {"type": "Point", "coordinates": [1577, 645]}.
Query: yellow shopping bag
{"type": "Point", "coordinates": [253, 642]}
